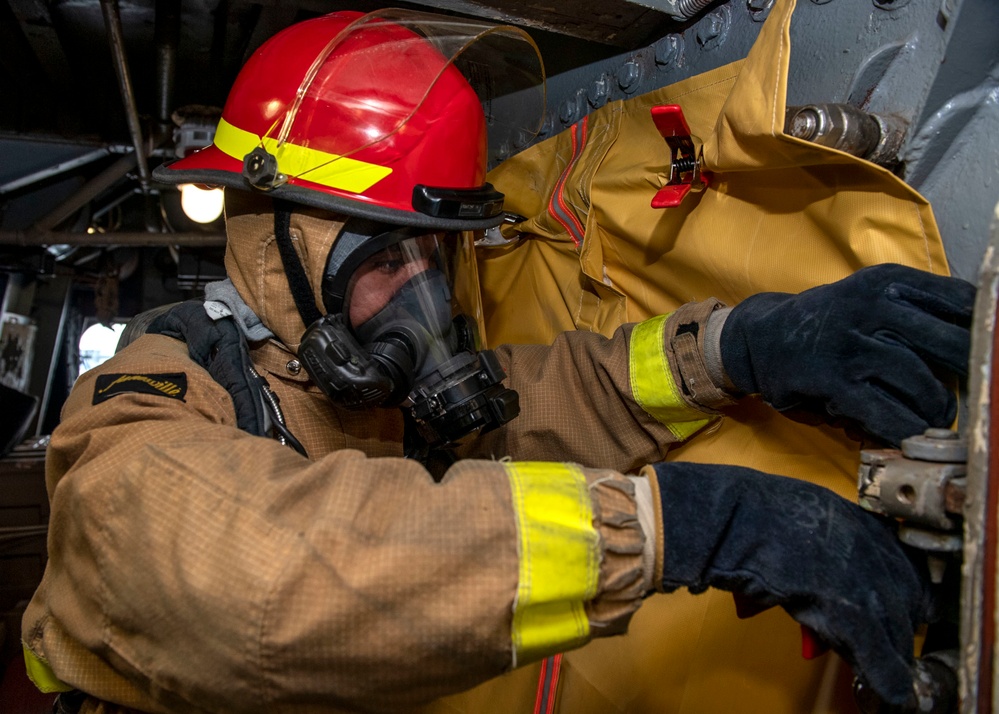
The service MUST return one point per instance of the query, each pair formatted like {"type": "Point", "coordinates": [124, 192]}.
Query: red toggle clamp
{"type": "Point", "coordinates": [685, 164]}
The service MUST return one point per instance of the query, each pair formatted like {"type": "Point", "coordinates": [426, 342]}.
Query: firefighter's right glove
{"type": "Point", "coordinates": [860, 351]}
{"type": "Point", "coordinates": [832, 566]}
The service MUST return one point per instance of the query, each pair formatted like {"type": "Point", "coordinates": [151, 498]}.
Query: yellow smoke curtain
{"type": "Point", "coordinates": [779, 214]}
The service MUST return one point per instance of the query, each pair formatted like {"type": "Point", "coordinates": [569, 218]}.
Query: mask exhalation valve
{"type": "Point", "coordinates": [463, 395]}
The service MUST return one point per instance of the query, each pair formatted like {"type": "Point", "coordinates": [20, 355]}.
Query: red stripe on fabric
{"type": "Point", "coordinates": [540, 698]}
{"type": "Point", "coordinates": [571, 224]}
{"type": "Point", "coordinates": [577, 150]}
{"type": "Point", "coordinates": [553, 683]}
{"type": "Point", "coordinates": [544, 703]}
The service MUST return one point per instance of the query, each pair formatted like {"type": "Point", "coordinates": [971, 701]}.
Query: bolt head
{"type": "Point", "coordinates": [568, 111]}
{"type": "Point", "coordinates": [668, 50]}
{"type": "Point", "coordinates": [629, 75]}
{"type": "Point", "coordinates": [599, 92]}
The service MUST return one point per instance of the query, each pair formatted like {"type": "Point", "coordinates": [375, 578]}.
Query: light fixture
{"type": "Point", "coordinates": [202, 205]}
{"type": "Point", "coordinates": [98, 344]}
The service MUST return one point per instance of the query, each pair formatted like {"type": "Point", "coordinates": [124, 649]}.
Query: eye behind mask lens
{"type": "Point", "coordinates": [419, 314]}
{"type": "Point", "coordinates": [425, 298]}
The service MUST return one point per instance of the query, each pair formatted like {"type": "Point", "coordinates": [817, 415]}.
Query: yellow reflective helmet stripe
{"type": "Point", "coordinates": [559, 558]}
{"type": "Point", "coordinates": [652, 384]}
{"type": "Point", "coordinates": [41, 674]}
{"type": "Point", "coordinates": [319, 167]}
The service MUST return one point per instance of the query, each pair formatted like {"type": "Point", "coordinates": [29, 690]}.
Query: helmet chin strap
{"type": "Point", "coordinates": [294, 271]}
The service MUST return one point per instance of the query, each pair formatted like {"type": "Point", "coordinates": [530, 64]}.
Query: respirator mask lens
{"type": "Point", "coordinates": [405, 293]}
{"type": "Point", "coordinates": [410, 293]}
{"type": "Point", "coordinates": [403, 330]}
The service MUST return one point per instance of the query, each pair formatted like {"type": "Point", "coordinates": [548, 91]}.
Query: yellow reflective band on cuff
{"type": "Point", "coordinates": [652, 383]}
{"type": "Point", "coordinates": [337, 172]}
{"type": "Point", "coordinates": [41, 675]}
{"type": "Point", "coordinates": [559, 558]}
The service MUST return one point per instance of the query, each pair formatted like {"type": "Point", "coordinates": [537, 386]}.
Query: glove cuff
{"type": "Point", "coordinates": [624, 580]}
{"type": "Point", "coordinates": [651, 475]}
{"type": "Point", "coordinates": [696, 354]}
{"type": "Point", "coordinates": [712, 352]}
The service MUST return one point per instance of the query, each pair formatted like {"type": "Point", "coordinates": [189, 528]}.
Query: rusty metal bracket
{"type": "Point", "coordinates": [918, 492]}
{"type": "Point", "coordinates": [924, 486]}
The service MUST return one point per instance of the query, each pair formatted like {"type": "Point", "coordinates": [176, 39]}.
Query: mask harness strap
{"type": "Point", "coordinates": [294, 271]}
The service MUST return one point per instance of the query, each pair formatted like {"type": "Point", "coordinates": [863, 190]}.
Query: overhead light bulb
{"type": "Point", "coordinates": [202, 205]}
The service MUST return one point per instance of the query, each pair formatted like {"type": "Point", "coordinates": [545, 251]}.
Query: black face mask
{"type": "Point", "coordinates": [406, 349]}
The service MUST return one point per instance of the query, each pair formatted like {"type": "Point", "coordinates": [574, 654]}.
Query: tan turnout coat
{"type": "Point", "coordinates": [196, 568]}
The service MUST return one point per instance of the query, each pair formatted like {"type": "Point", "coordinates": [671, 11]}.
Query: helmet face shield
{"type": "Point", "coordinates": [420, 63]}
{"type": "Point", "coordinates": [392, 116]}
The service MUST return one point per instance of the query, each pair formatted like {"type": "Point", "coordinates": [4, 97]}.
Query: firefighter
{"type": "Point", "coordinates": [313, 491]}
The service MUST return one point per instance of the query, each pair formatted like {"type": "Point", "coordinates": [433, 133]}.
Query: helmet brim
{"type": "Point", "coordinates": [213, 167]}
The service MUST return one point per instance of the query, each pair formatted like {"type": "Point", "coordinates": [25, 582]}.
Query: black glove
{"type": "Point", "coordinates": [862, 349]}
{"type": "Point", "coordinates": [778, 541]}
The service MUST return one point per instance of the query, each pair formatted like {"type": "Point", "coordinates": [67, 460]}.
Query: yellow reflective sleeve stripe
{"type": "Point", "coordinates": [652, 383]}
{"type": "Point", "coordinates": [559, 558]}
{"type": "Point", "coordinates": [41, 675]}
{"type": "Point", "coordinates": [319, 167]}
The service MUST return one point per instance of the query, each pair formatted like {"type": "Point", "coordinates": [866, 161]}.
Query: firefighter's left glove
{"type": "Point", "coordinates": [868, 350]}
{"type": "Point", "coordinates": [778, 541]}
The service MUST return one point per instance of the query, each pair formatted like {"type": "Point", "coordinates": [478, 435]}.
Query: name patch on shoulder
{"type": "Point", "coordinates": [173, 385]}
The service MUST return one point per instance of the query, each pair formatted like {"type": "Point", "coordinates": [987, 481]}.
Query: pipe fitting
{"type": "Point", "coordinates": [848, 129]}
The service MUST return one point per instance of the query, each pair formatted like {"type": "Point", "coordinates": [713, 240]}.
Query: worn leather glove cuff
{"type": "Point", "coordinates": [696, 354]}
{"type": "Point", "coordinates": [624, 574]}
{"type": "Point", "coordinates": [713, 352]}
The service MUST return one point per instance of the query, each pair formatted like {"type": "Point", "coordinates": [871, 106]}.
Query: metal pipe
{"type": "Point", "coordinates": [54, 170]}
{"type": "Point", "coordinates": [132, 239]}
{"type": "Point", "coordinates": [167, 37]}
{"type": "Point", "coordinates": [112, 20]}
{"type": "Point", "coordinates": [846, 128]}
{"type": "Point", "coordinates": [839, 126]}
{"type": "Point", "coordinates": [934, 684]}
{"type": "Point", "coordinates": [54, 363]}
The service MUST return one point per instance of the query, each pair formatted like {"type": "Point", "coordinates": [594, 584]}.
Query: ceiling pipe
{"type": "Point", "coordinates": [54, 170]}
{"type": "Point", "coordinates": [112, 21]}
{"type": "Point", "coordinates": [167, 38]}
{"type": "Point", "coordinates": [137, 239]}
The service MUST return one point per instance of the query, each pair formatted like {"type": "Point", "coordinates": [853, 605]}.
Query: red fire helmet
{"type": "Point", "coordinates": [391, 116]}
